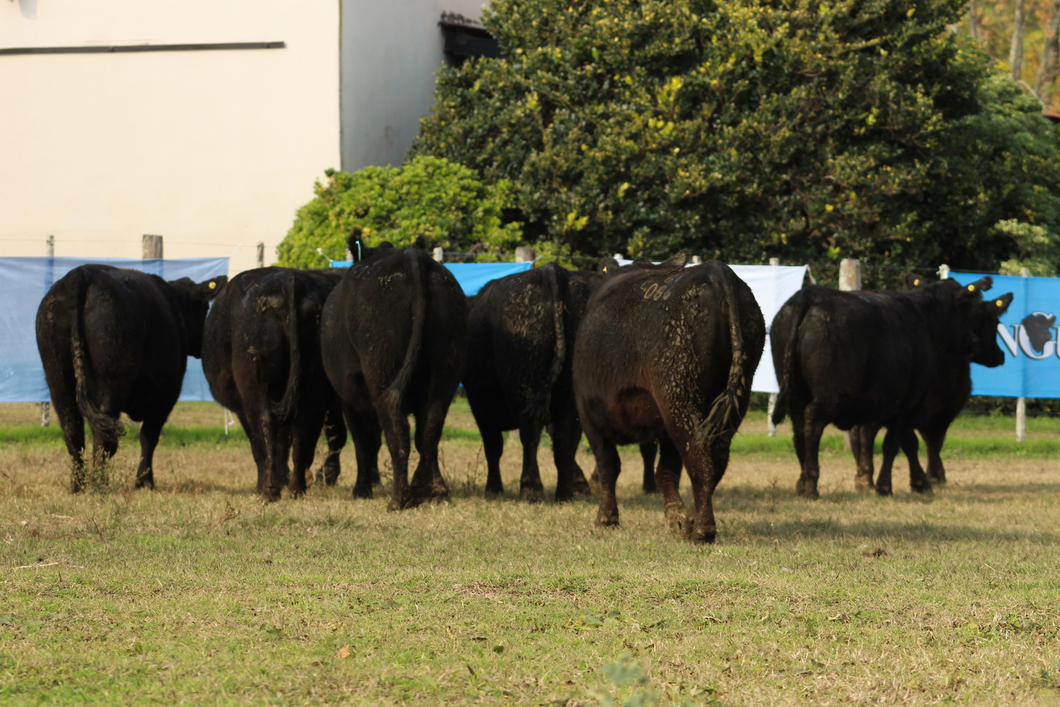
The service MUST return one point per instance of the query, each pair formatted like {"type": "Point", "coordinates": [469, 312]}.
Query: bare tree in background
{"type": "Point", "coordinates": [1045, 85]}
{"type": "Point", "coordinates": [975, 30]}
{"type": "Point", "coordinates": [1015, 55]}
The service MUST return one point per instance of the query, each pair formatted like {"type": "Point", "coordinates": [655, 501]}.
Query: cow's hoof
{"type": "Point", "coordinates": [361, 491]}
{"type": "Point", "coordinates": [678, 520]}
{"type": "Point", "coordinates": [583, 489]}
{"type": "Point", "coordinates": [650, 490]}
{"type": "Point", "coordinates": [937, 479]}
{"type": "Point", "coordinates": [883, 490]}
{"type": "Point", "coordinates": [607, 520]}
{"type": "Point", "coordinates": [564, 496]}
{"type": "Point", "coordinates": [863, 485]}
{"type": "Point", "coordinates": [922, 489]}
{"type": "Point", "coordinates": [806, 489]}
{"type": "Point", "coordinates": [148, 484]}
{"type": "Point", "coordinates": [704, 536]}
{"type": "Point", "coordinates": [531, 494]}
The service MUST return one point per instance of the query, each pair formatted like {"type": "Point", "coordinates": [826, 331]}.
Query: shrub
{"type": "Point", "coordinates": [429, 197]}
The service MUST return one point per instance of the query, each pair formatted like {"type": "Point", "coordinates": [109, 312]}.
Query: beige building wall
{"type": "Point", "coordinates": [213, 150]}
{"type": "Point", "coordinates": [391, 52]}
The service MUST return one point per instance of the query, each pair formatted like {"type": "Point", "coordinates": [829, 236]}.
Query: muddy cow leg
{"type": "Point", "coordinates": [396, 431]}
{"type": "Point", "coordinates": [647, 455]}
{"type": "Point", "coordinates": [862, 442]}
{"type": "Point", "coordinates": [257, 448]}
{"type": "Point", "coordinates": [530, 487]}
{"type": "Point", "coordinates": [918, 480]}
{"type": "Point", "coordinates": [73, 424]}
{"type": "Point", "coordinates": [306, 431]}
{"type": "Point", "coordinates": [933, 440]}
{"type": "Point", "coordinates": [667, 478]}
{"type": "Point", "coordinates": [428, 484]}
{"type": "Point", "coordinates": [150, 431]}
{"type": "Point", "coordinates": [335, 434]}
{"type": "Point", "coordinates": [363, 426]}
{"type": "Point", "coordinates": [608, 467]}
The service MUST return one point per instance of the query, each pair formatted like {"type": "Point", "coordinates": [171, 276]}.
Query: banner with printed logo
{"type": "Point", "coordinates": [1027, 334]}
{"type": "Point", "coordinates": [23, 283]}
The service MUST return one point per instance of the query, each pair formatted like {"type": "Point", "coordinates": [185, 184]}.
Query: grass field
{"type": "Point", "coordinates": [197, 593]}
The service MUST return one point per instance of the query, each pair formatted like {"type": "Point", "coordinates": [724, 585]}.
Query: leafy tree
{"type": "Point", "coordinates": [745, 129]}
{"type": "Point", "coordinates": [443, 202]}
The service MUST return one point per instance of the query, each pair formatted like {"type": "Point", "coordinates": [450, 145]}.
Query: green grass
{"type": "Point", "coordinates": [198, 593]}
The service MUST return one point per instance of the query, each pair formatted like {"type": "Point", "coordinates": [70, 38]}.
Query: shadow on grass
{"type": "Point", "coordinates": [913, 531]}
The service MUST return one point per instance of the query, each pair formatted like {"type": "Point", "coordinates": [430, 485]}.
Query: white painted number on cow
{"type": "Point", "coordinates": [655, 292]}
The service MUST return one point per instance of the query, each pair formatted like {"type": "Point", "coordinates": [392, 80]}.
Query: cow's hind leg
{"type": "Point", "coordinates": [530, 487]}
{"type": "Point", "coordinates": [809, 439]}
{"type": "Point", "coordinates": [608, 467]}
{"type": "Point", "coordinates": [891, 442]}
{"type": "Point", "coordinates": [918, 480]}
{"type": "Point", "coordinates": [862, 442]}
{"type": "Point", "coordinates": [493, 448]}
{"type": "Point", "coordinates": [150, 431]}
{"type": "Point", "coordinates": [566, 433]}
{"type": "Point", "coordinates": [307, 430]}
{"type": "Point", "coordinates": [647, 455]}
{"type": "Point", "coordinates": [667, 478]}
{"type": "Point", "coordinates": [363, 426]}
{"type": "Point", "coordinates": [428, 484]}
{"type": "Point", "coordinates": [933, 440]}
{"type": "Point", "coordinates": [335, 434]}
{"type": "Point", "coordinates": [73, 424]}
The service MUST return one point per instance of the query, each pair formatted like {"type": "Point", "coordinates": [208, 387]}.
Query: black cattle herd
{"type": "Point", "coordinates": [660, 355]}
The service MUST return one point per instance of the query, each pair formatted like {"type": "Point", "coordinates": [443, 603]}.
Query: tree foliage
{"type": "Point", "coordinates": [444, 203]}
{"type": "Point", "coordinates": [746, 129]}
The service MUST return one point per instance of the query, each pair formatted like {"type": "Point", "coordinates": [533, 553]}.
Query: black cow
{"type": "Point", "coordinates": [518, 374]}
{"type": "Point", "coordinates": [393, 335]}
{"type": "Point", "coordinates": [949, 393]}
{"type": "Point", "coordinates": [667, 353]}
{"type": "Point", "coordinates": [114, 341]}
{"type": "Point", "coordinates": [875, 358]}
{"type": "Point", "coordinates": [261, 356]}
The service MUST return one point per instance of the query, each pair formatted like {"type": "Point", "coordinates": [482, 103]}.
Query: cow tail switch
{"type": "Point", "coordinates": [418, 274]}
{"type": "Point", "coordinates": [286, 408]}
{"type": "Point", "coordinates": [99, 422]}
{"type": "Point", "coordinates": [728, 408]}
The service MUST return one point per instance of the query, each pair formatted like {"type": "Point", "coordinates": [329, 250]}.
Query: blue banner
{"type": "Point", "coordinates": [471, 276]}
{"type": "Point", "coordinates": [1027, 334]}
{"type": "Point", "coordinates": [23, 283]}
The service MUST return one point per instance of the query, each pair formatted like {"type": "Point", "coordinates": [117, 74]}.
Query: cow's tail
{"type": "Point", "coordinates": [539, 408]}
{"type": "Point", "coordinates": [395, 393]}
{"type": "Point", "coordinates": [780, 409]}
{"type": "Point", "coordinates": [286, 407]}
{"type": "Point", "coordinates": [101, 423]}
{"type": "Point", "coordinates": [729, 408]}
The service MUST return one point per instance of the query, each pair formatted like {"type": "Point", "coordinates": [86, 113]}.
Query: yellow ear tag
{"type": "Point", "coordinates": [605, 270]}
{"type": "Point", "coordinates": [916, 283]}
{"type": "Point", "coordinates": [999, 303]}
{"type": "Point", "coordinates": [971, 288]}
{"type": "Point", "coordinates": [212, 284]}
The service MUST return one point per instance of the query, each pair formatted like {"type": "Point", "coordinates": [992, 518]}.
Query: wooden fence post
{"type": "Point", "coordinates": [1021, 402]}
{"type": "Point", "coordinates": [773, 262]}
{"type": "Point", "coordinates": [152, 247]}
{"type": "Point", "coordinates": [849, 280]}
